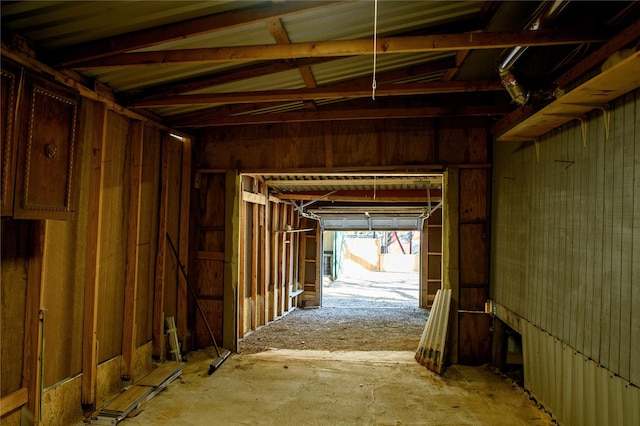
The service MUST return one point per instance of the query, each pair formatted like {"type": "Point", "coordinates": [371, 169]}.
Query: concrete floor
{"type": "Point", "coordinates": [305, 387]}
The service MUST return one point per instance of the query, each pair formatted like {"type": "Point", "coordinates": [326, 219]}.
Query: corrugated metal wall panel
{"type": "Point", "coordinates": [564, 232]}
{"type": "Point", "coordinates": [573, 387]}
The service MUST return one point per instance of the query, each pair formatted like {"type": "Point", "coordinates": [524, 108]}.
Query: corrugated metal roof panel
{"type": "Point", "coordinates": [56, 24]}
{"type": "Point", "coordinates": [356, 19]}
{"type": "Point", "coordinates": [360, 66]}
{"type": "Point", "coordinates": [245, 35]}
{"type": "Point", "coordinates": [126, 79]}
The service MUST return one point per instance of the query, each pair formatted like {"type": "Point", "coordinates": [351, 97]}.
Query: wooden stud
{"type": "Point", "coordinates": [450, 254]}
{"type": "Point", "coordinates": [133, 238]}
{"type": "Point", "coordinates": [158, 298]}
{"type": "Point", "coordinates": [183, 243]}
{"type": "Point", "coordinates": [231, 317]}
{"type": "Point", "coordinates": [255, 257]}
{"type": "Point", "coordinates": [242, 249]}
{"type": "Point", "coordinates": [274, 256]}
{"type": "Point", "coordinates": [92, 267]}
{"type": "Point", "coordinates": [267, 284]}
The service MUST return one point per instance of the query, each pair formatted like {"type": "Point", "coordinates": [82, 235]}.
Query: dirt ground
{"type": "Point", "coordinates": [364, 311]}
{"type": "Point", "coordinates": [350, 362]}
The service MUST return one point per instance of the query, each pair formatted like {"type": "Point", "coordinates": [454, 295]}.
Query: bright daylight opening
{"type": "Point", "coordinates": [372, 269]}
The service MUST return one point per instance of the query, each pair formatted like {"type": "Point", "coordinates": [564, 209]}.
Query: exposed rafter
{"type": "Point", "coordinates": [411, 44]}
{"type": "Point", "coordinates": [321, 93]}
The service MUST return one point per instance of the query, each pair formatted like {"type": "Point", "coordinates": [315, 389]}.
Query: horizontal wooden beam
{"type": "Point", "coordinates": [408, 44]}
{"type": "Point", "coordinates": [431, 87]}
{"type": "Point", "coordinates": [368, 196]}
{"type": "Point", "coordinates": [342, 115]}
{"type": "Point", "coordinates": [13, 401]}
{"type": "Point", "coordinates": [374, 181]}
{"type": "Point", "coordinates": [254, 198]}
{"type": "Point", "coordinates": [235, 75]}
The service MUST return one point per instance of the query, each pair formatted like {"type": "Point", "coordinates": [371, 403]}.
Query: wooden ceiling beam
{"type": "Point", "coordinates": [69, 56]}
{"type": "Point", "coordinates": [410, 44]}
{"type": "Point", "coordinates": [342, 115]}
{"type": "Point", "coordinates": [322, 93]}
{"type": "Point", "coordinates": [366, 195]}
{"type": "Point", "coordinates": [214, 79]}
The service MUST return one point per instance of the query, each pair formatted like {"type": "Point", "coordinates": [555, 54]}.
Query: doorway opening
{"type": "Point", "coordinates": [376, 269]}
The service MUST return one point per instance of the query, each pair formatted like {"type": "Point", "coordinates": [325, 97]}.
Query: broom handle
{"type": "Point", "coordinates": [193, 293]}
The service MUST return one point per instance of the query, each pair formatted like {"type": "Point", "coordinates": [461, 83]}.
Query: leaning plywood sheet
{"type": "Point", "coordinates": [135, 396]}
{"type": "Point", "coordinates": [430, 351]}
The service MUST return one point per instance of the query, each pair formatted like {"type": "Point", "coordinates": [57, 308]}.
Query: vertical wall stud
{"type": "Point", "coordinates": [92, 268]}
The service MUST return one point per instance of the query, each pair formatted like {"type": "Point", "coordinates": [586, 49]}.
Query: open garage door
{"type": "Point", "coordinates": [364, 202]}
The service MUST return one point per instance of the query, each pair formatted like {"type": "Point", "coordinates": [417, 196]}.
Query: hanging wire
{"type": "Point", "coordinates": [375, 48]}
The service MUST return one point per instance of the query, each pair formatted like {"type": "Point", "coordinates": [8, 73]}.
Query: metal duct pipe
{"type": "Point", "coordinates": [547, 12]}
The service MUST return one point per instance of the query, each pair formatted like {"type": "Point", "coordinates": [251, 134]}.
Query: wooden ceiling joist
{"type": "Point", "coordinates": [214, 79]}
{"type": "Point", "coordinates": [409, 44]}
{"type": "Point", "coordinates": [322, 93]}
{"type": "Point", "coordinates": [345, 114]}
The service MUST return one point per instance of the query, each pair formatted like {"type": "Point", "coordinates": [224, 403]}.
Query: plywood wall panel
{"type": "Point", "coordinates": [213, 311]}
{"type": "Point", "coordinates": [461, 144]}
{"type": "Point", "coordinates": [473, 298]}
{"type": "Point", "coordinates": [344, 143]}
{"type": "Point", "coordinates": [61, 406]}
{"type": "Point", "coordinates": [305, 145]}
{"type": "Point", "coordinates": [210, 280]}
{"type": "Point", "coordinates": [474, 346]}
{"type": "Point", "coordinates": [14, 237]}
{"type": "Point", "coordinates": [474, 254]}
{"type": "Point", "coordinates": [109, 383]}
{"type": "Point", "coordinates": [144, 295]}
{"type": "Point", "coordinates": [113, 238]}
{"type": "Point", "coordinates": [63, 307]}
{"type": "Point", "coordinates": [408, 141]}
{"type": "Point", "coordinates": [247, 147]}
{"type": "Point", "coordinates": [473, 195]}
{"type": "Point", "coordinates": [355, 143]}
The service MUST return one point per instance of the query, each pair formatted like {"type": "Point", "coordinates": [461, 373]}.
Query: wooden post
{"type": "Point", "coordinates": [266, 258]}
{"type": "Point", "coordinates": [33, 321]}
{"type": "Point", "coordinates": [450, 254]}
{"type": "Point", "coordinates": [133, 239]}
{"type": "Point", "coordinates": [158, 293]}
{"type": "Point", "coordinates": [274, 256]}
{"type": "Point", "coordinates": [232, 227]}
{"type": "Point", "coordinates": [255, 257]}
{"type": "Point", "coordinates": [92, 267]}
{"type": "Point", "coordinates": [282, 260]}
{"type": "Point", "coordinates": [242, 249]}
{"type": "Point", "coordinates": [183, 243]}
